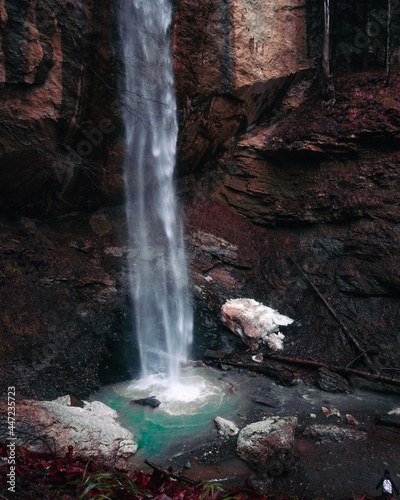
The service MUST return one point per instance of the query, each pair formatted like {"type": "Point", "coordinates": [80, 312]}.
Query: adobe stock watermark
{"type": "Point", "coordinates": [93, 139]}
{"type": "Point", "coordinates": [372, 29]}
{"type": "Point", "coordinates": [11, 439]}
{"type": "Point", "coordinates": [95, 136]}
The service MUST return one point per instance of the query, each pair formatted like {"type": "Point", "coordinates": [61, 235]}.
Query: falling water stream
{"type": "Point", "coordinates": [158, 272]}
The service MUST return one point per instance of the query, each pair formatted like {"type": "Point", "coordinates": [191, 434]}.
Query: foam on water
{"type": "Point", "coordinates": [184, 397]}
{"type": "Point", "coordinates": [187, 409]}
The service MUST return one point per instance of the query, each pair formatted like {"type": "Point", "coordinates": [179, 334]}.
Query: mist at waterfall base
{"type": "Point", "coordinates": [160, 290]}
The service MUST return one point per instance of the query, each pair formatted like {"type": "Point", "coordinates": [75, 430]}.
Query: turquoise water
{"type": "Point", "coordinates": [186, 413]}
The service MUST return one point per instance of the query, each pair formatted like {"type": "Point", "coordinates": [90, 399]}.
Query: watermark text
{"type": "Point", "coordinates": [11, 438]}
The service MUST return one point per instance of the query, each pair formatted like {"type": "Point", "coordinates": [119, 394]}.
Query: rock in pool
{"type": "Point", "coordinates": [150, 401]}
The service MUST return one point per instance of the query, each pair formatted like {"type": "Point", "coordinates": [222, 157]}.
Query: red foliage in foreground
{"type": "Point", "coordinates": [31, 476]}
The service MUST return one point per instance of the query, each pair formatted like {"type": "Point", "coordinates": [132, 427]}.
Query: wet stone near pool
{"type": "Point", "coordinates": [151, 401]}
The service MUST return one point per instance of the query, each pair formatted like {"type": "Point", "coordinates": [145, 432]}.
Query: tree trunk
{"type": "Point", "coordinates": [329, 90]}
{"type": "Point", "coordinates": [326, 66]}
{"type": "Point", "coordinates": [344, 371]}
{"type": "Point", "coordinates": [389, 21]}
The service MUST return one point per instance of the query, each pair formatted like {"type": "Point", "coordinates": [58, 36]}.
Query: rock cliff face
{"type": "Point", "coordinates": [234, 61]}
{"type": "Point", "coordinates": [64, 296]}
{"type": "Point", "coordinates": [270, 177]}
{"type": "Point", "coordinates": [58, 127]}
{"type": "Point", "coordinates": [321, 188]}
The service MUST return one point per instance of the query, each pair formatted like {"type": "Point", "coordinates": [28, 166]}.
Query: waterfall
{"type": "Point", "coordinates": [157, 261]}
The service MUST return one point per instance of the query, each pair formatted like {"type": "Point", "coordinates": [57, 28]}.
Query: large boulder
{"type": "Point", "coordinates": [53, 426]}
{"type": "Point", "coordinates": [268, 444]}
{"type": "Point", "coordinates": [254, 322]}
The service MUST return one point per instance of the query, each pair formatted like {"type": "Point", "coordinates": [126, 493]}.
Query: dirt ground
{"type": "Point", "coordinates": [349, 469]}
{"type": "Point", "coordinates": [330, 470]}
{"type": "Point", "coordinates": [343, 470]}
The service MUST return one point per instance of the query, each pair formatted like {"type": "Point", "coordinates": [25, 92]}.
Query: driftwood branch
{"type": "Point", "coordinates": [351, 338]}
{"type": "Point", "coordinates": [264, 370]}
{"type": "Point", "coordinates": [345, 371]}
{"type": "Point", "coordinates": [169, 474]}
{"type": "Point", "coordinates": [391, 420]}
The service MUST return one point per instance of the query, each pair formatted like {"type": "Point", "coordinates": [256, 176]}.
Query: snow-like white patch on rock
{"type": "Point", "coordinates": [254, 322]}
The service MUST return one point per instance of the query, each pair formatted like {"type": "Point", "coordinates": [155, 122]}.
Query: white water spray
{"type": "Point", "coordinates": [158, 272]}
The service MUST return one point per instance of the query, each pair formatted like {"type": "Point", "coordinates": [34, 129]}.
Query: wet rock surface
{"type": "Point", "coordinates": [54, 426]}
{"type": "Point", "coordinates": [332, 382]}
{"type": "Point", "coordinates": [331, 432]}
{"type": "Point", "coordinates": [345, 457]}
{"type": "Point", "coordinates": [63, 327]}
{"type": "Point", "coordinates": [152, 401]}
{"type": "Point", "coordinates": [268, 444]}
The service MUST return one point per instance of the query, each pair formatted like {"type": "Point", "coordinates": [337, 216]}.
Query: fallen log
{"type": "Point", "coordinates": [352, 339]}
{"type": "Point", "coordinates": [390, 420]}
{"type": "Point", "coordinates": [170, 475]}
{"type": "Point", "coordinates": [343, 371]}
{"type": "Point", "coordinates": [263, 370]}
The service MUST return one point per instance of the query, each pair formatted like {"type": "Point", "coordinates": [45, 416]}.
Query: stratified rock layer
{"type": "Point", "coordinates": [233, 60]}
{"type": "Point", "coordinates": [311, 201]}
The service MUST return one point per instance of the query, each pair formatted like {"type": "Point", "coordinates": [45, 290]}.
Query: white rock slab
{"type": "Point", "coordinates": [53, 426]}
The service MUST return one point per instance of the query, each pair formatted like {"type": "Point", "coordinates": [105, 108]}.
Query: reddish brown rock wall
{"type": "Point", "coordinates": [269, 173]}
{"type": "Point", "coordinates": [319, 186]}
{"type": "Point", "coordinates": [233, 62]}
{"type": "Point", "coordinates": [57, 129]}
